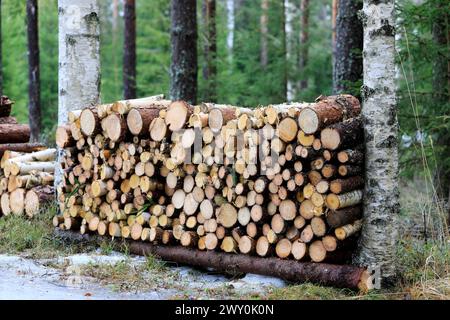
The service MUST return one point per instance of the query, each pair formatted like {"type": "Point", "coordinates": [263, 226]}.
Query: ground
{"type": "Point", "coordinates": [35, 264]}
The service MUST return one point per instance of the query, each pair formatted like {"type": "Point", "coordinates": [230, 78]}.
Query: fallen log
{"type": "Point", "coordinates": [21, 147]}
{"type": "Point", "coordinates": [340, 276]}
{"type": "Point", "coordinates": [14, 133]}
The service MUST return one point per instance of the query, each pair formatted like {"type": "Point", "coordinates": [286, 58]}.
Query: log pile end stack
{"type": "Point", "coordinates": [282, 180]}
{"type": "Point", "coordinates": [26, 169]}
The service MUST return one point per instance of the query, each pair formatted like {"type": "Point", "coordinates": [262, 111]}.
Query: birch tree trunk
{"type": "Point", "coordinates": [210, 49]}
{"type": "Point", "coordinates": [129, 51]}
{"type": "Point", "coordinates": [230, 28]}
{"type": "Point", "coordinates": [347, 60]}
{"type": "Point", "coordinates": [381, 207]}
{"type": "Point", "coordinates": [304, 38]}
{"type": "Point", "coordinates": [79, 59]}
{"type": "Point", "coordinates": [183, 40]}
{"type": "Point", "coordinates": [264, 53]}
{"type": "Point", "coordinates": [34, 92]}
{"type": "Point", "coordinates": [289, 16]}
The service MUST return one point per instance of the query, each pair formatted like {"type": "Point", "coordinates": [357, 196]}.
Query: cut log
{"type": "Point", "coordinates": [344, 200]}
{"type": "Point", "coordinates": [14, 133]}
{"type": "Point", "coordinates": [5, 205]}
{"type": "Point", "coordinates": [351, 156]}
{"type": "Point", "coordinates": [348, 230]}
{"type": "Point", "coordinates": [220, 116]}
{"type": "Point", "coordinates": [339, 186]}
{"type": "Point", "coordinates": [342, 276]}
{"type": "Point", "coordinates": [342, 135]}
{"type": "Point", "coordinates": [347, 170]}
{"type": "Point", "coordinates": [90, 123]}
{"type": "Point", "coordinates": [17, 201]}
{"type": "Point", "coordinates": [64, 137]}
{"type": "Point", "coordinates": [283, 248]}
{"type": "Point", "coordinates": [139, 120]}
{"type": "Point", "coordinates": [177, 115]}
{"type": "Point", "coordinates": [318, 226]}
{"type": "Point", "coordinates": [344, 216]}
{"type": "Point", "coordinates": [298, 249]}
{"type": "Point", "coordinates": [158, 129]}
{"type": "Point", "coordinates": [5, 106]}
{"type": "Point", "coordinates": [317, 251]}
{"type": "Point", "coordinates": [326, 111]}
{"type": "Point", "coordinates": [288, 210]}
{"type": "Point", "coordinates": [229, 245]}
{"type": "Point", "coordinates": [115, 127]}
{"type": "Point", "coordinates": [247, 245]}
{"type": "Point", "coordinates": [37, 197]}
{"type": "Point", "coordinates": [287, 129]}
{"type": "Point", "coordinates": [44, 155]}
{"type": "Point", "coordinates": [263, 247]}
{"type": "Point", "coordinates": [125, 106]}
{"type": "Point", "coordinates": [227, 215]}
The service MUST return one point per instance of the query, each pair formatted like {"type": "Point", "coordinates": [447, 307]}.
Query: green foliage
{"type": "Point", "coordinates": [421, 108]}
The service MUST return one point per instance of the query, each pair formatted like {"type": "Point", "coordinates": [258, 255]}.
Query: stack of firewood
{"type": "Point", "coordinates": [26, 169]}
{"type": "Point", "coordinates": [282, 179]}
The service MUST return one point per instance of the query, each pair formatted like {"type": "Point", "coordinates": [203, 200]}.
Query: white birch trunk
{"type": "Point", "coordinates": [381, 207]}
{"type": "Point", "coordinates": [230, 28]}
{"type": "Point", "coordinates": [289, 14]}
{"type": "Point", "coordinates": [79, 58]}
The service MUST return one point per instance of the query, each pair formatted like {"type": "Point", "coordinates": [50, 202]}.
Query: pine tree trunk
{"type": "Point", "coordinates": [230, 28]}
{"type": "Point", "coordinates": [210, 50]}
{"type": "Point", "coordinates": [34, 108]}
{"type": "Point", "coordinates": [264, 53]}
{"type": "Point", "coordinates": [79, 59]}
{"type": "Point", "coordinates": [289, 15]}
{"type": "Point", "coordinates": [381, 207]}
{"type": "Point", "coordinates": [347, 60]}
{"type": "Point", "coordinates": [441, 96]}
{"type": "Point", "coordinates": [183, 40]}
{"type": "Point", "coordinates": [304, 38]}
{"type": "Point", "coordinates": [129, 51]}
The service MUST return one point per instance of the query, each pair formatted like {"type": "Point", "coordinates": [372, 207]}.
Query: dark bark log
{"type": "Point", "coordinates": [183, 38]}
{"type": "Point", "coordinates": [304, 38]}
{"type": "Point", "coordinates": [341, 276]}
{"type": "Point", "coordinates": [339, 218]}
{"type": "Point", "coordinates": [342, 135]}
{"type": "Point", "coordinates": [210, 50]}
{"type": "Point", "coordinates": [129, 50]}
{"type": "Point", "coordinates": [347, 62]}
{"type": "Point", "coordinates": [328, 110]}
{"type": "Point", "coordinates": [21, 147]}
{"type": "Point", "coordinates": [345, 185]}
{"type": "Point", "coordinates": [8, 120]}
{"type": "Point", "coordinates": [5, 106]}
{"type": "Point", "coordinates": [12, 133]}
{"type": "Point", "coordinates": [34, 91]}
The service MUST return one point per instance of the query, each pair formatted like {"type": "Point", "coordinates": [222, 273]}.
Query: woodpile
{"type": "Point", "coordinates": [282, 180]}
{"type": "Point", "coordinates": [26, 169]}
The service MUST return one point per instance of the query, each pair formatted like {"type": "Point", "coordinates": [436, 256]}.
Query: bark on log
{"type": "Point", "coordinates": [341, 276]}
{"type": "Point", "coordinates": [8, 120]}
{"type": "Point", "coordinates": [338, 218]}
{"type": "Point", "coordinates": [328, 110]}
{"type": "Point", "coordinates": [14, 133]}
{"type": "Point", "coordinates": [345, 185]}
{"type": "Point", "coordinates": [342, 135]}
{"type": "Point", "coordinates": [21, 147]}
{"type": "Point", "coordinates": [36, 197]}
